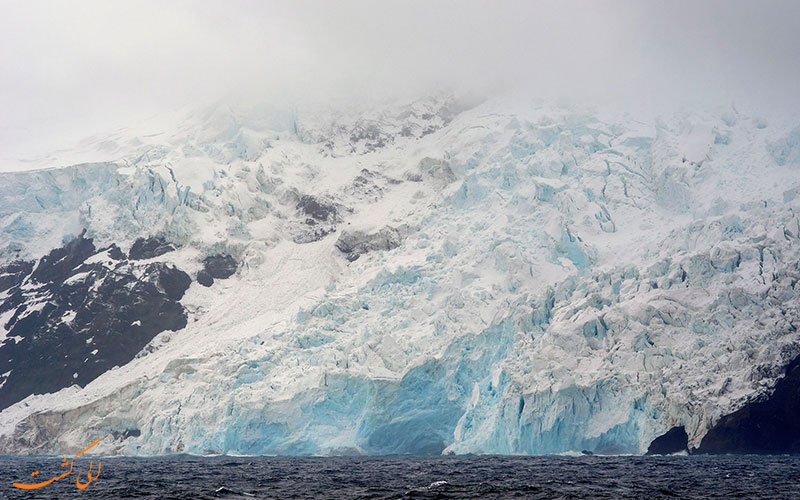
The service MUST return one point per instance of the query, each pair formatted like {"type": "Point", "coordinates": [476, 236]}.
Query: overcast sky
{"type": "Point", "coordinates": [73, 66]}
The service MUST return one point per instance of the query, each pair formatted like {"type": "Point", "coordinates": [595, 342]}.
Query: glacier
{"type": "Point", "coordinates": [441, 276]}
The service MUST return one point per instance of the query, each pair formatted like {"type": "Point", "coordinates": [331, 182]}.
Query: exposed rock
{"type": "Point", "coordinates": [13, 274]}
{"type": "Point", "coordinates": [673, 441]}
{"type": "Point", "coordinates": [370, 136]}
{"type": "Point", "coordinates": [204, 278]}
{"type": "Point", "coordinates": [216, 266]}
{"type": "Point", "coordinates": [148, 248]}
{"type": "Point", "coordinates": [115, 252]}
{"type": "Point", "coordinates": [365, 186]}
{"type": "Point", "coordinates": [312, 233]}
{"type": "Point", "coordinates": [356, 243]}
{"type": "Point", "coordinates": [370, 132]}
{"type": "Point", "coordinates": [220, 266]}
{"type": "Point", "coordinates": [321, 219]}
{"type": "Point", "coordinates": [59, 263]}
{"type": "Point", "coordinates": [172, 280]}
{"type": "Point", "coordinates": [81, 319]}
{"type": "Point", "coordinates": [370, 185]}
{"type": "Point", "coordinates": [317, 209]}
{"type": "Point", "coordinates": [770, 425]}
{"type": "Point", "coordinates": [122, 435]}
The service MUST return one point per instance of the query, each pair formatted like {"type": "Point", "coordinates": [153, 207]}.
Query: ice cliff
{"type": "Point", "coordinates": [444, 276]}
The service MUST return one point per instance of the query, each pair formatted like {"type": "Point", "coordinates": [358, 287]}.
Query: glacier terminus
{"type": "Point", "coordinates": [446, 275]}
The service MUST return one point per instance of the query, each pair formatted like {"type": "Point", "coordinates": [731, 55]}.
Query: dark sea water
{"type": "Point", "coordinates": [772, 477]}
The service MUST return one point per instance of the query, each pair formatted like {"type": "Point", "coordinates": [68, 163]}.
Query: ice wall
{"type": "Point", "coordinates": [556, 280]}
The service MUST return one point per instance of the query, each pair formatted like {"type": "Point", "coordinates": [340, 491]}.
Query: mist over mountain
{"type": "Point", "coordinates": [69, 71]}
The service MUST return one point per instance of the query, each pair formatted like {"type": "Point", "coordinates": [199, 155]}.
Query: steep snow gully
{"type": "Point", "coordinates": [442, 276]}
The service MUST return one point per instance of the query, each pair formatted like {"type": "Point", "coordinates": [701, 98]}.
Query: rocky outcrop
{"type": "Point", "coordinates": [148, 248]}
{"type": "Point", "coordinates": [77, 313]}
{"type": "Point", "coordinates": [370, 186]}
{"type": "Point", "coordinates": [674, 440]}
{"type": "Point", "coordinates": [770, 425]}
{"type": "Point", "coordinates": [216, 267]}
{"type": "Point", "coordinates": [321, 217]}
{"type": "Point", "coordinates": [354, 244]}
{"type": "Point", "coordinates": [317, 209]}
{"type": "Point", "coordinates": [13, 273]}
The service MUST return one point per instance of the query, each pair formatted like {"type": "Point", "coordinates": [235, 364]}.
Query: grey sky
{"type": "Point", "coordinates": [71, 66]}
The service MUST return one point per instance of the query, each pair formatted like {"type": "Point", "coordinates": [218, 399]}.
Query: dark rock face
{"type": "Point", "coordinates": [321, 217]}
{"type": "Point", "coordinates": [356, 243]}
{"type": "Point", "coordinates": [216, 266]}
{"type": "Point", "coordinates": [59, 263]}
{"type": "Point", "coordinates": [369, 185]}
{"type": "Point", "coordinates": [69, 320]}
{"type": "Point", "coordinates": [317, 209]}
{"type": "Point", "coordinates": [372, 137]}
{"type": "Point", "coordinates": [126, 434]}
{"type": "Point", "coordinates": [13, 274]}
{"type": "Point", "coordinates": [147, 248]}
{"type": "Point", "coordinates": [371, 133]}
{"type": "Point", "coordinates": [673, 441]}
{"type": "Point", "coordinates": [204, 278]}
{"type": "Point", "coordinates": [767, 426]}
{"type": "Point", "coordinates": [365, 187]}
{"type": "Point", "coordinates": [172, 280]}
{"type": "Point", "coordinates": [220, 266]}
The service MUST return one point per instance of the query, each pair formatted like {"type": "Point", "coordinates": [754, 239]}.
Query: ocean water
{"type": "Point", "coordinates": [552, 477]}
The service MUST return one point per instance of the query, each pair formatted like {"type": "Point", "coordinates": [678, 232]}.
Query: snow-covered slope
{"type": "Point", "coordinates": [446, 275]}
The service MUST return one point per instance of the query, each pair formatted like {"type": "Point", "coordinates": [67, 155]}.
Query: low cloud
{"type": "Point", "coordinates": [72, 67]}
